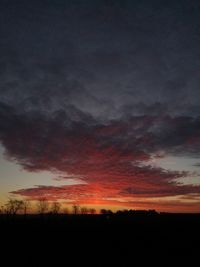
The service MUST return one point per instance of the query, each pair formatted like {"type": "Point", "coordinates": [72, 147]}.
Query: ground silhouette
{"type": "Point", "coordinates": [120, 238]}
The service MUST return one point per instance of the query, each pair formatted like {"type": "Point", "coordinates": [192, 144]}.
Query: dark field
{"type": "Point", "coordinates": [101, 240]}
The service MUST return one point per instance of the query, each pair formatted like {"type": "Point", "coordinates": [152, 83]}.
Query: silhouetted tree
{"type": "Point", "coordinates": [119, 212]}
{"type": "Point", "coordinates": [153, 212]}
{"type": "Point", "coordinates": [92, 211]}
{"type": "Point", "coordinates": [26, 206]}
{"type": "Point", "coordinates": [84, 210]}
{"type": "Point", "coordinates": [2, 209]}
{"type": "Point", "coordinates": [104, 211]}
{"type": "Point", "coordinates": [55, 207]}
{"type": "Point", "coordinates": [76, 209]}
{"type": "Point", "coordinates": [109, 212]}
{"type": "Point", "coordinates": [42, 205]}
{"type": "Point", "coordinates": [13, 206]}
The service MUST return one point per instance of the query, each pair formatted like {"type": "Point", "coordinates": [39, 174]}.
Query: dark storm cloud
{"type": "Point", "coordinates": [122, 54]}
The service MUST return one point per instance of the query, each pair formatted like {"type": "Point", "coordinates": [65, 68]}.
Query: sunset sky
{"type": "Point", "coordinates": [100, 103]}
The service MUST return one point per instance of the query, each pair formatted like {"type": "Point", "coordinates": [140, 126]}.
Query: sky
{"type": "Point", "coordinates": [99, 103]}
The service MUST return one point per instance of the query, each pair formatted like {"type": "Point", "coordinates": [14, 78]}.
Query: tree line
{"type": "Point", "coordinates": [42, 206]}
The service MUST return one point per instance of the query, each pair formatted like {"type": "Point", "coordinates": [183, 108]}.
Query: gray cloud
{"type": "Point", "coordinates": [130, 56]}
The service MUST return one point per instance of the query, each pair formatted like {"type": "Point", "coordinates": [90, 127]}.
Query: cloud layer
{"type": "Point", "coordinates": [111, 158]}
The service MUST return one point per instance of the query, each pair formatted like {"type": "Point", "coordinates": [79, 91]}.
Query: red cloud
{"type": "Point", "coordinates": [107, 157]}
{"type": "Point", "coordinates": [110, 195]}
